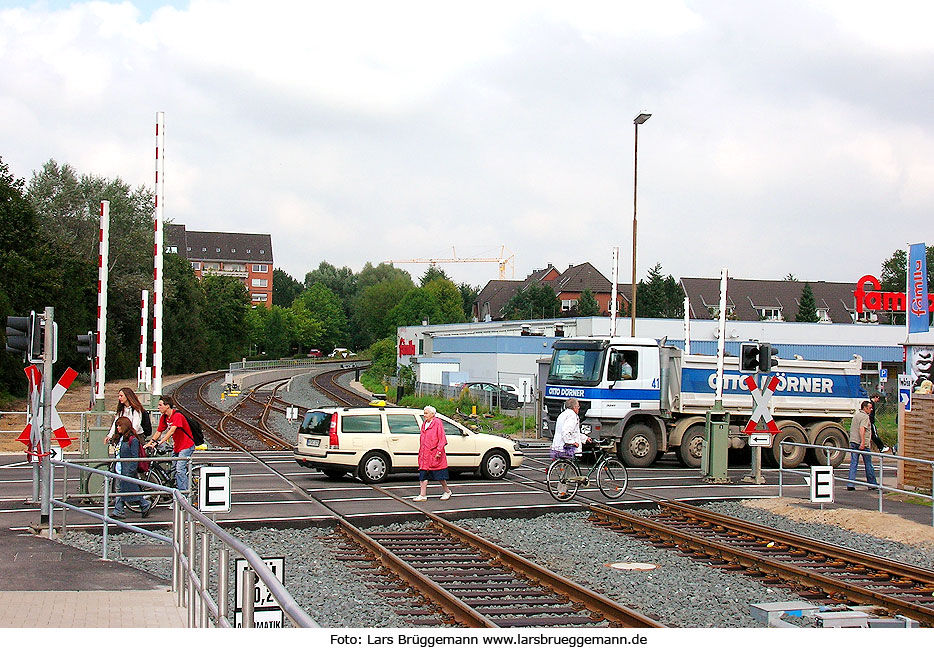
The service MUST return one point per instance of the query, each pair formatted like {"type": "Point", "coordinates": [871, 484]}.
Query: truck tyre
{"type": "Point", "coordinates": [692, 445]}
{"type": "Point", "coordinates": [793, 456]}
{"type": "Point", "coordinates": [638, 446]}
{"type": "Point", "coordinates": [832, 434]}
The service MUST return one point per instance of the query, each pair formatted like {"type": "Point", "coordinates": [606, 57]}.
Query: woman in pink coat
{"type": "Point", "coordinates": [432, 461]}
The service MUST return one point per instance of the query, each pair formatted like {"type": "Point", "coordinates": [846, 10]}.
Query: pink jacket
{"type": "Point", "coordinates": [431, 444]}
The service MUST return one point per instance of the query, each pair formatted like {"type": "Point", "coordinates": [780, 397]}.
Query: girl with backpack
{"type": "Point", "coordinates": [130, 447]}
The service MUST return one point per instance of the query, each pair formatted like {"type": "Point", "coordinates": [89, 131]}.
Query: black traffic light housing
{"type": "Point", "coordinates": [768, 357]}
{"type": "Point", "coordinates": [87, 345]}
{"type": "Point", "coordinates": [25, 334]}
{"type": "Point", "coordinates": [749, 357]}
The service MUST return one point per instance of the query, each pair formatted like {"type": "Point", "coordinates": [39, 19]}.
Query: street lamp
{"type": "Point", "coordinates": [639, 119]}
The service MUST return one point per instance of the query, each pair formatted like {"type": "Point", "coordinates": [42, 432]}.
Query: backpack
{"type": "Point", "coordinates": [146, 422]}
{"type": "Point", "coordinates": [143, 466]}
{"type": "Point", "coordinates": [197, 435]}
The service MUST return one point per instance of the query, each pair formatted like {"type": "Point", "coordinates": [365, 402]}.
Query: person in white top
{"type": "Point", "coordinates": [568, 439]}
{"type": "Point", "coordinates": [128, 406]}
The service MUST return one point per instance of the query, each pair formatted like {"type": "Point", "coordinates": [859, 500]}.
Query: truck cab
{"type": "Point", "coordinates": [616, 381]}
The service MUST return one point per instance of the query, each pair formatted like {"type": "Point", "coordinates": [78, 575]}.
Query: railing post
{"type": "Point", "coordinates": [178, 526]}
{"type": "Point", "coordinates": [246, 606]}
{"type": "Point", "coordinates": [879, 479]}
{"type": "Point", "coordinates": [223, 558]}
{"type": "Point", "coordinates": [781, 468]}
{"type": "Point", "coordinates": [106, 504]}
{"type": "Point", "coordinates": [205, 554]}
{"type": "Point", "coordinates": [191, 571]}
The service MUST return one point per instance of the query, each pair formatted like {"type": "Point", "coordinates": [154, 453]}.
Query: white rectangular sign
{"type": "Point", "coordinates": [904, 391]}
{"type": "Point", "coordinates": [214, 489]}
{"type": "Point", "coordinates": [266, 611]}
{"type": "Point", "coordinates": [760, 439]}
{"type": "Point", "coordinates": [821, 484]}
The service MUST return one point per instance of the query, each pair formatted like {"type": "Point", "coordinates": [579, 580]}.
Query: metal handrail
{"type": "Point", "coordinates": [882, 488]}
{"type": "Point", "coordinates": [186, 522]}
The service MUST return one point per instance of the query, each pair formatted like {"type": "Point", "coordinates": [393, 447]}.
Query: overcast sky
{"type": "Point", "coordinates": [786, 137]}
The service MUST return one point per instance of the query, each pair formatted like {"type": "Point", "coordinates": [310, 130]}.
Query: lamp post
{"type": "Point", "coordinates": [639, 119]}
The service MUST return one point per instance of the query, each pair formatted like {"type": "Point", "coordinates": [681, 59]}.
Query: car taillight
{"type": "Point", "coordinates": [333, 442]}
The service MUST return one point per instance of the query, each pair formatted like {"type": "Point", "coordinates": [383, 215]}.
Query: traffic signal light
{"type": "Point", "coordinates": [768, 357]}
{"type": "Point", "coordinates": [749, 357]}
{"type": "Point", "coordinates": [87, 345]}
{"type": "Point", "coordinates": [24, 334]}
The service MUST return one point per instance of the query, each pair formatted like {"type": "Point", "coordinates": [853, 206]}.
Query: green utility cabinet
{"type": "Point", "coordinates": [716, 444]}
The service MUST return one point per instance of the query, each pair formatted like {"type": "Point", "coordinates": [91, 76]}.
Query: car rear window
{"type": "Point", "coordinates": [361, 424]}
{"type": "Point", "coordinates": [316, 422]}
{"type": "Point", "coordinates": [402, 424]}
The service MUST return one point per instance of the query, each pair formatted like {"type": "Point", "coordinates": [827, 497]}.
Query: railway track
{"type": "Point", "coordinates": [821, 572]}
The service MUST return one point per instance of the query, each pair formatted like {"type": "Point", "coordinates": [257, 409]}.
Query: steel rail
{"type": "Point", "coordinates": [833, 587]}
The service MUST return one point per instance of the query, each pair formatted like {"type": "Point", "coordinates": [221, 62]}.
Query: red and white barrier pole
{"type": "Point", "coordinates": [143, 375]}
{"type": "Point", "coordinates": [157, 295]}
{"type": "Point", "coordinates": [102, 261]}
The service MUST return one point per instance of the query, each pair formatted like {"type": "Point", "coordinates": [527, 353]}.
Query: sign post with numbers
{"type": "Point", "coordinates": [266, 611]}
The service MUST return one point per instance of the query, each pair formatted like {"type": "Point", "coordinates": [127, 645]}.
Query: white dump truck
{"type": "Point", "coordinates": [653, 398]}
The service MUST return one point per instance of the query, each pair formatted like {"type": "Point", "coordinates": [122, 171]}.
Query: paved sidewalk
{"type": "Point", "coordinates": [44, 583]}
{"type": "Point", "coordinates": [86, 609]}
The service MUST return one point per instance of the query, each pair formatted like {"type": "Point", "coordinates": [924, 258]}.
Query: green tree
{"type": "Point", "coordinates": [431, 274]}
{"type": "Point", "coordinates": [224, 317]}
{"type": "Point", "coordinates": [449, 299]}
{"type": "Point", "coordinates": [285, 288]}
{"type": "Point", "coordinates": [659, 296]}
{"type": "Point", "coordinates": [533, 301]}
{"type": "Point", "coordinates": [325, 307]}
{"type": "Point", "coordinates": [375, 301]}
{"type": "Point", "coordinates": [415, 307]}
{"type": "Point", "coordinates": [184, 339]}
{"type": "Point", "coordinates": [807, 306]}
{"type": "Point", "coordinates": [341, 281]}
{"type": "Point", "coordinates": [587, 304]}
{"type": "Point", "coordinates": [469, 296]}
{"type": "Point", "coordinates": [305, 331]}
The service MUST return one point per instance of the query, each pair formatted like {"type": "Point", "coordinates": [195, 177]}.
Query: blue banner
{"type": "Point", "coordinates": [704, 381]}
{"type": "Point", "coordinates": [581, 392]}
{"type": "Point", "coordinates": [917, 298]}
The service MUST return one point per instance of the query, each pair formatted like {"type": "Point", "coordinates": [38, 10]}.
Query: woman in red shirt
{"type": "Point", "coordinates": [432, 461]}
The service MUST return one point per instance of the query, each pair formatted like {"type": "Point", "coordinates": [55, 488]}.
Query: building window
{"type": "Point", "coordinates": [260, 268]}
{"type": "Point", "coordinates": [864, 317]}
{"type": "Point", "coordinates": [196, 266]}
{"type": "Point", "coordinates": [211, 266]}
{"type": "Point", "coordinates": [204, 250]}
{"type": "Point", "coordinates": [188, 249]}
{"type": "Point", "coordinates": [217, 250]}
{"type": "Point", "coordinates": [258, 297]}
{"type": "Point", "coordinates": [823, 315]}
{"type": "Point", "coordinates": [260, 282]}
{"type": "Point", "coordinates": [567, 305]}
{"type": "Point", "coordinates": [262, 252]}
{"type": "Point", "coordinates": [770, 313]}
{"type": "Point", "coordinates": [248, 251]}
{"type": "Point", "coordinates": [233, 250]}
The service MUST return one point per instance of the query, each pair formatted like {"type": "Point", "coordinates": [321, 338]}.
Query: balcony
{"type": "Point", "coordinates": [229, 273]}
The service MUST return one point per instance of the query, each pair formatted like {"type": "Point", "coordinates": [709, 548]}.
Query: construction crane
{"type": "Point", "coordinates": [505, 258]}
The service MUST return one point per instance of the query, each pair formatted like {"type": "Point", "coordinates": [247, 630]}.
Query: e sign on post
{"type": "Point", "coordinates": [214, 489]}
{"type": "Point", "coordinates": [821, 484]}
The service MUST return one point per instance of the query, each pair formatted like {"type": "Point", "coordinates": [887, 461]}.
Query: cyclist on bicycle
{"type": "Point", "coordinates": [172, 424]}
{"type": "Point", "coordinates": [568, 439]}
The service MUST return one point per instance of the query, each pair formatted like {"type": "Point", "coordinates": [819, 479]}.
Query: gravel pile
{"type": "Point", "coordinates": [883, 548]}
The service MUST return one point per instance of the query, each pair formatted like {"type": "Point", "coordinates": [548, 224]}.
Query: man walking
{"type": "Point", "coordinates": [860, 432]}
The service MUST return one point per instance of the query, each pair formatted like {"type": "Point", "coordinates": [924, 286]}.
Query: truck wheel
{"type": "Point", "coordinates": [793, 456]}
{"type": "Point", "coordinates": [638, 446]}
{"type": "Point", "coordinates": [832, 434]}
{"type": "Point", "coordinates": [692, 446]}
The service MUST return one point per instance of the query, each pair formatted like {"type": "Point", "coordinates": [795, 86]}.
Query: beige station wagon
{"type": "Point", "coordinates": [372, 442]}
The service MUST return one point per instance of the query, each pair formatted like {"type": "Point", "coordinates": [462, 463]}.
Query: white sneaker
{"type": "Point", "coordinates": [886, 450]}
{"type": "Point", "coordinates": [446, 495]}
{"type": "Point", "coordinates": [420, 497]}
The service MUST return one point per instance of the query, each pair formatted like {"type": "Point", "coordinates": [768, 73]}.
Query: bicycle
{"type": "Point", "coordinates": [564, 476]}
{"type": "Point", "coordinates": [160, 473]}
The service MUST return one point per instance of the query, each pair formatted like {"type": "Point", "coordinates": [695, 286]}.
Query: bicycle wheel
{"type": "Point", "coordinates": [93, 484]}
{"type": "Point", "coordinates": [155, 475]}
{"type": "Point", "coordinates": [612, 478]}
{"type": "Point", "coordinates": [560, 480]}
